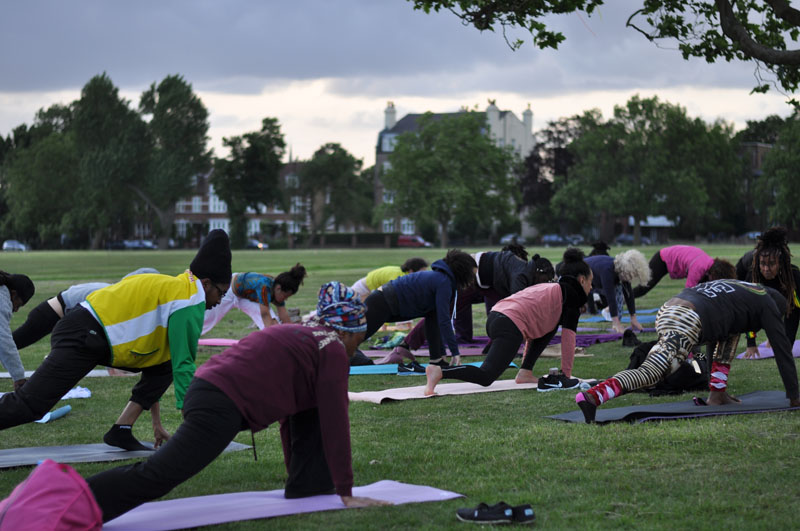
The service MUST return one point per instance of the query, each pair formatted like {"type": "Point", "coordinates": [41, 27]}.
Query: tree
{"type": "Point", "coordinates": [333, 189]}
{"type": "Point", "coordinates": [178, 129]}
{"type": "Point", "coordinates": [778, 189]}
{"type": "Point", "coordinates": [249, 176]}
{"type": "Point", "coordinates": [720, 29]}
{"type": "Point", "coordinates": [450, 167]}
{"type": "Point", "coordinates": [114, 149]}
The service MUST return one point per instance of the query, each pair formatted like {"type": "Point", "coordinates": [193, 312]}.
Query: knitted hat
{"type": "Point", "coordinates": [340, 308]}
{"type": "Point", "coordinates": [213, 260]}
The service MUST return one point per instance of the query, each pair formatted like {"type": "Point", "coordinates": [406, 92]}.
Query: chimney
{"type": "Point", "coordinates": [390, 115]}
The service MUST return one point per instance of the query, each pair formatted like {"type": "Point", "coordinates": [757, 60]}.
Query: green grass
{"type": "Point", "coordinates": [726, 472]}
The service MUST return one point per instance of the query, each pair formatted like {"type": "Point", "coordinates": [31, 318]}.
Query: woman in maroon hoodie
{"type": "Point", "coordinates": [272, 375]}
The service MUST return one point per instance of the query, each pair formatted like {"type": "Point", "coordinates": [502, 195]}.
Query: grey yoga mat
{"type": "Point", "coordinates": [200, 511]}
{"type": "Point", "coordinates": [79, 453]}
{"type": "Point", "coordinates": [756, 402]}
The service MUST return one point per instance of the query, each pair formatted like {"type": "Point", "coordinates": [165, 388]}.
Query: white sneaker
{"type": "Point", "coordinates": [606, 313]}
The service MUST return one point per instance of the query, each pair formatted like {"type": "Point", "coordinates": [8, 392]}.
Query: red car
{"type": "Point", "coordinates": [412, 240]}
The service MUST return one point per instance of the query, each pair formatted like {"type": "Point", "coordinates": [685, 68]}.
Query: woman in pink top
{"type": "Point", "coordinates": [532, 315]}
{"type": "Point", "coordinates": [685, 261]}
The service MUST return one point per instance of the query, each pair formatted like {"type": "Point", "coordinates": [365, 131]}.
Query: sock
{"type": "Point", "coordinates": [605, 391]}
{"type": "Point", "coordinates": [719, 376]}
{"type": "Point", "coordinates": [588, 409]}
{"type": "Point", "coordinates": [121, 436]}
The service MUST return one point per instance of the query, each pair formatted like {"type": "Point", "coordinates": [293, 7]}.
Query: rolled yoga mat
{"type": "Point", "coordinates": [200, 511]}
{"type": "Point", "coordinates": [756, 402]}
{"type": "Point", "coordinates": [79, 453]}
{"type": "Point", "coordinates": [765, 352]}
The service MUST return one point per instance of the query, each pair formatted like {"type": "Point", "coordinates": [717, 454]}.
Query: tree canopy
{"type": "Point", "coordinates": [761, 31]}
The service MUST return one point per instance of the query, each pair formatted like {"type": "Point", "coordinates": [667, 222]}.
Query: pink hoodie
{"type": "Point", "coordinates": [685, 261]}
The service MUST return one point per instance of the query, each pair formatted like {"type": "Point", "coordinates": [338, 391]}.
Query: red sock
{"type": "Point", "coordinates": [605, 391]}
{"type": "Point", "coordinates": [719, 376]}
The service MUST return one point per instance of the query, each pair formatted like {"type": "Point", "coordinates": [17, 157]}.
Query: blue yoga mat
{"type": "Point", "coordinates": [625, 319]}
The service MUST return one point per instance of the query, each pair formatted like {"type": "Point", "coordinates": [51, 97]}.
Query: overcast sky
{"type": "Point", "coordinates": [325, 69]}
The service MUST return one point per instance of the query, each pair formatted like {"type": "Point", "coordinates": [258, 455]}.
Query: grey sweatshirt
{"type": "Point", "coordinates": [9, 355]}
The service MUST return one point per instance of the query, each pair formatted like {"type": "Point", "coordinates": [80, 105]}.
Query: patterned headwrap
{"type": "Point", "coordinates": [254, 287]}
{"type": "Point", "coordinates": [340, 308]}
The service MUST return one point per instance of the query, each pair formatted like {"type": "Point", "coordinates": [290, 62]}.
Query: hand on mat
{"type": "Point", "coordinates": [617, 325]}
{"type": "Point", "coordinates": [161, 435]}
{"type": "Point", "coordinates": [19, 383]}
{"type": "Point", "coordinates": [635, 326]}
{"type": "Point", "coordinates": [751, 352]}
{"type": "Point", "coordinates": [362, 501]}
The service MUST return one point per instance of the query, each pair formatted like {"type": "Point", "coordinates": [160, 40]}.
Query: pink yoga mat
{"type": "Point", "coordinates": [217, 342]}
{"type": "Point", "coordinates": [765, 352]}
{"type": "Point", "coordinates": [221, 508]}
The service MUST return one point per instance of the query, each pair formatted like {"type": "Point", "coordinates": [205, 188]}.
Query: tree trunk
{"type": "Point", "coordinates": [443, 233]}
{"type": "Point", "coordinates": [97, 239]}
{"type": "Point", "coordinates": [637, 230]}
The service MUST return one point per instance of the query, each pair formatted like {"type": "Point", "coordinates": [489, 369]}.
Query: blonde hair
{"type": "Point", "coordinates": [632, 266]}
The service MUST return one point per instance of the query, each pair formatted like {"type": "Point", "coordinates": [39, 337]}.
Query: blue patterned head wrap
{"type": "Point", "coordinates": [340, 308]}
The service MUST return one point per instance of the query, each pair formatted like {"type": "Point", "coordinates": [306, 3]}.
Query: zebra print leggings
{"type": "Point", "coordinates": [678, 330]}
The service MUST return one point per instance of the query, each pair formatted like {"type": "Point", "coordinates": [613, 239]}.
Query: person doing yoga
{"type": "Point", "coordinates": [715, 312]}
{"type": "Point", "coordinates": [685, 261]}
{"type": "Point", "coordinates": [613, 279]}
{"type": "Point", "coordinates": [295, 374]}
{"type": "Point", "coordinates": [533, 315]}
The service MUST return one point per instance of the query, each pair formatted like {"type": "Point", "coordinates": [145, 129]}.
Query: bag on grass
{"type": "Point", "coordinates": [686, 378]}
{"type": "Point", "coordinates": [53, 497]}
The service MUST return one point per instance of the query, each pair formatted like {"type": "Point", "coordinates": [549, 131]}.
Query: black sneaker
{"type": "Point", "coordinates": [410, 367]}
{"type": "Point", "coordinates": [502, 513]}
{"type": "Point", "coordinates": [557, 382]}
{"type": "Point", "coordinates": [441, 362]}
{"type": "Point", "coordinates": [523, 514]}
{"type": "Point", "coordinates": [629, 339]}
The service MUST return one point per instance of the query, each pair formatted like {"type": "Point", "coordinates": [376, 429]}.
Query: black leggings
{"type": "Point", "coordinates": [658, 269]}
{"type": "Point", "coordinates": [39, 323]}
{"type": "Point", "coordinates": [380, 312]}
{"type": "Point", "coordinates": [506, 339]}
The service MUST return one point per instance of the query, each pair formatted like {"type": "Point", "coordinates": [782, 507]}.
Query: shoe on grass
{"type": "Point", "coordinates": [523, 514]}
{"type": "Point", "coordinates": [500, 513]}
{"type": "Point", "coordinates": [557, 382]}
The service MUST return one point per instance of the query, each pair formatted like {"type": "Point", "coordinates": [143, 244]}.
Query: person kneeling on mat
{"type": "Point", "coordinates": [713, 312]}
{"type": "Point", "coordinates": [293, 373]}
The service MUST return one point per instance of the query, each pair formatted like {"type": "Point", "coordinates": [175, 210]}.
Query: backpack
{"type": "Point", "coordinates": [53, 497]}
{"type": "Point", "coordinates": [684, 379]}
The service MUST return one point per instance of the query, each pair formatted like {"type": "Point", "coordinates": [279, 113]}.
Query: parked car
{"type": "Point", "coordinates": [512, 238]}
{"type": "Point", "coordinates": [627, 239]}
{"type": "Point", "coordinates": [753, 235]}
{"type": "Point", "coordinates": [14, 245]}
{"type": "Point", "coordinates": [553, 240]}
{"type": "Point", "coordinates": [255, 244]}
{"type": "Point", "coordinates": [575, 239]}
{"type": "Point", "coordinates": [412, 240]}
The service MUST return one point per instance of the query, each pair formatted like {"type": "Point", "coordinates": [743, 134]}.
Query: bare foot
{"type": "Point", "coordinates": [525, 376]}
{"type": "Point", "coordinates": [721, 398]}
{"type": "Point", "coordinates": [433, 374]}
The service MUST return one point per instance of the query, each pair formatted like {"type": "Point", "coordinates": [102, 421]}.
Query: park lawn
{"type": "Point", "coordinates": [725, 472]}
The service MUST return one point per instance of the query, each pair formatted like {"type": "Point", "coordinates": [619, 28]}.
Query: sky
{"type": "Point", "coordinates": [326, 69]}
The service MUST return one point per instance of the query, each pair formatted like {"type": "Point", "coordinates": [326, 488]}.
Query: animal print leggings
{"type": "Point", "coordinates": [678, 330]}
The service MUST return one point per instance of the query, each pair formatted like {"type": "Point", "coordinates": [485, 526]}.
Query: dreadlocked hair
{"type": "Point", "coordinates": [517, 249]}
{"type": "Point", "coordinates": [773, 243]}
{"type": "Point", "coordinates": [463, 267]}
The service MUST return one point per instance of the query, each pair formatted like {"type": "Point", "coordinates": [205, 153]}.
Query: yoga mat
{"type": "Point", "coordinates": [625, 319]}
{"type": "Point", "coordinates": [391, 368]}
{"type": "Point", "coordinates": [234, 507]}
{"type": "Point", "coordinates": [55, 414]}
{"type": "Point", "coordinates": [80, 453]}
{"type": "Point", "coordinates": [95, 373]}
{"type": "Point", "coordinates": [460, 388]}
{"type": "Point", "coordinates": [756, 402]}
{"type": "Point", "coordinates": [765, 352]}
{"type": "Point", "coordinates": [217, 342]}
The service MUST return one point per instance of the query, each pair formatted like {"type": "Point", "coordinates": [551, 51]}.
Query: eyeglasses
{"type": "Point", "coordinates": [220, 290]}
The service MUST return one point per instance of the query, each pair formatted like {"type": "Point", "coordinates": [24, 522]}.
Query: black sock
{"type": "Point", "coordinates": [121, 436]}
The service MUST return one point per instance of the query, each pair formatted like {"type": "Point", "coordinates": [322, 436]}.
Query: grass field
{"type": "Point", "coordinates": [717, 473]}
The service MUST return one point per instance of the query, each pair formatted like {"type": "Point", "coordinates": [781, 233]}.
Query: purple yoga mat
{"type": "Point", "coordinates": [765, 352]}
{"type": "Point", "coordinates": [221, 508]}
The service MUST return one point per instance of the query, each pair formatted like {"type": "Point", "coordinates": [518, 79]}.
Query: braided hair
{"type": "Point", "coordinates": [773, 243]}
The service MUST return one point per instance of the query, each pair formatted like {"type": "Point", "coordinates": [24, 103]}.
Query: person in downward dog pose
{"type": "Point", "coordinates": [533, 315]}
{"type": "Point", "coordinates": [613, 279]}
{"type": "Point", "coordinates": [716, 312]}
{"type": "Point", "coordinates": [685, 261]}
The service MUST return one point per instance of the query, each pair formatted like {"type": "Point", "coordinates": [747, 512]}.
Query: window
{"type": "Point", "coordinates": [388, 225]}
{"type": "Point", "coordinates": [387, 143]}
{"type": "Point", "coordinates": [218, 224]}
{"type": "Point", "coordinates": [296, 205]}
{"type": "Point", "coordinates": [180, 227]}
{"type": "Point", "coordinates": [197, 204]}
{"type": "Point", "coordinates": [293, 227]}
{"type": "Point", "coordinates": [292, 181]}
{"type": "Point", "coordinates": [407, 226]}
{"type": "Point", "coordinates": [253, 227]}
{"type": "Point", "coordinates": [388, 196]}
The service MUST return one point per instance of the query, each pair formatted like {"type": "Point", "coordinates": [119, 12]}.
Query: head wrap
{"type": "Point", "coordinates": [254, 287]}
{"type": "Point", "coordinates": [23, 285]}
{"type": "Point", "coordinates": [213, 260]}
{"type": "Point", "coordinates": [339, 307]}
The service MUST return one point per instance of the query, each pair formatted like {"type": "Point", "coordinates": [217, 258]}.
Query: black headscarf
{"type": "Point", "coordinates": [213, 260]}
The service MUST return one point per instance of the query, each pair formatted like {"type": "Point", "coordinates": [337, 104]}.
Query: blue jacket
{"type": "Point", "coordinates": [425, 291]}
